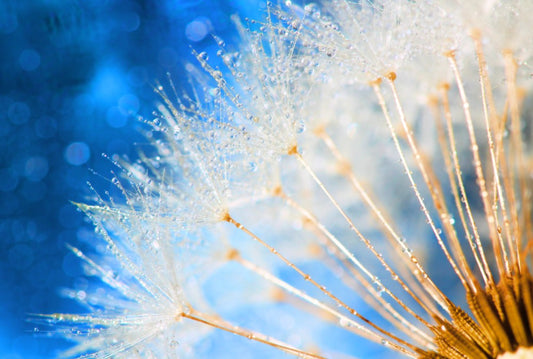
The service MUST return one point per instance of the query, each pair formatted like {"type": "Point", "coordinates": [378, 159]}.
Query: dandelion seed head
{"type": "Point", "coordinates": [312, 181]}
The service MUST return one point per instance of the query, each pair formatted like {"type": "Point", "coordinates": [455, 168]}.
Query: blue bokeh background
{"type": "Point", "coordinates": [74, 77]}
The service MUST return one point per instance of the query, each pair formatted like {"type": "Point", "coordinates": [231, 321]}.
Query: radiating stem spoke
{"type": "Point", "coordinates": [221, 324]}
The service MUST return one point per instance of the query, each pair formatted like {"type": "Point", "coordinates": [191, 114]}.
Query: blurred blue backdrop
{"type": "Point", "coordinates": [74, 78]}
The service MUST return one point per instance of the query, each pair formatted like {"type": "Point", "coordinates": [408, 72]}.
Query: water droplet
{"type": "Point", "coordinates": [300, 127]}
{"type": "Point", "coordinates": [344, 322]}
{"type": "Point", "coordinates": [203, 56]}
